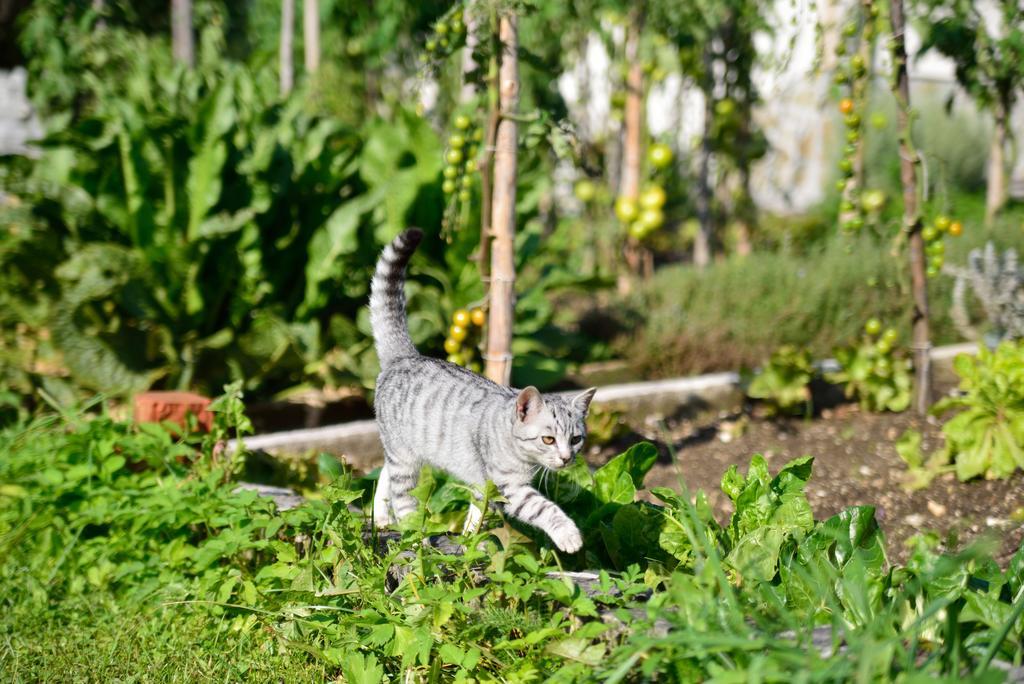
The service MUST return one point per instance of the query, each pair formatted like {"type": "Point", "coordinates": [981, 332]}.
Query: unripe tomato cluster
{"type": "Point", "coordinates": [852, 75]}
{"type": "Point", "coordinates": [934, 245]}
{"type": "Point", "coordinates": [449, 34]}
{"type": "Point", "coordinates": [464, 323]}
{"type": "Point", "coordinates": [644, 214]}
{"type": "Point", "coordinates": [880, 345]}
{"type": "Point", "coordinates": [460, 158]}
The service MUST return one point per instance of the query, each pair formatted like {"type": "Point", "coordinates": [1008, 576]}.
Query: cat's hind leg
{"type": "Point", "coordinates": [382, 499]}
{"type": "Point", "coordinates": [394, 498]}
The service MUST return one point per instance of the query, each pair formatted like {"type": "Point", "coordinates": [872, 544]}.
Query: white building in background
{"type": "Point", "coordinates": [18, 121]}
{"type": "Point", "coordinates": [798, 114]}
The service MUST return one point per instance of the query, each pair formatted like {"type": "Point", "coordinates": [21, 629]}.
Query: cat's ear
{"type": "Point", "coordinates": [581, 402]}
{"type": "Point", "coordinates": [528, 403]}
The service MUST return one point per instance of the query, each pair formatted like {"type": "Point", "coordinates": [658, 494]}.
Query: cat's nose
{"type": "Point", "coordinates": [565, 456]}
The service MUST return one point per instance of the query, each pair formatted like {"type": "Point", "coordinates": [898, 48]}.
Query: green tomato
{"type": "Point", "coordinates": [462, 122]}
{"type": "Point", "coordinates": [873, 200]}
{"type": "Point", "coordinates": [852, 136]}
{"type": "Point", "coordinates": [942, 222]}
{"type": "Point", "coordinates": [890, 335]}
{"type": "Point", "coordinates": [873, 326]}
{"type": "Point", "coordinates": [653, 197]}
{"type": "Point", "coordinates": [441, 28]}
{"type": "Point", "coordinates": [451, 172]}
{"type": "Point", "coordinates": [651, 219]}
{"type": "Point", "coordinates": [452, 346]}
{"type": "Point", "coordinates": [465, 196]}
{"type": "Point", "coordinates": [854, 224]}
{"type": "Point", "coordinates": [852, 120]}
{"type": "Point", "coordinates": [455, 358]}
{"type": "Point", "coordinates": [453, 156]}
{"type": "Point", "coordinates": [931, 272]}
{"type": "Point", "coordinates": [466, 181]}
{"type": "Point", "coordinates": [660, 155]}
{"type": "Point", "coordinates": [430, 45]}
{"type": "Point", "coordinates": [626, 209]}
{"type": "Point", "coordinates": [929, 233]}
{"type": "Point", "coordinates": [850, 30]}
{"type": "Point", "coordinates": [846, 206]}
{"type": "Point", "coordinates": [934, 248]}
{"type": "Point", "coordinates": [936, 261]}
{"type": "Point", "coordinates": [585, 190]}
{"type": "Point", "coordinates": [448, 187]}
{"type": "Point", "coordinates": [883, 346]}
{"type": "Point", "coordinates": [858, 65]}
{"type": "Point", "coordinates": [725, 107]}
{"type": "Point", "coordinates": [846, 166]}
{"type": "Point", "coordinates": [637, 230]}
{"type": "Point", "coordinates": [841, 184]}
{"type": "Point", "coordinates": [456, 141]}
{"type": "Point", "coordinates": [470, 165]}
{"type": "Point", "coordinates": [879, 120]}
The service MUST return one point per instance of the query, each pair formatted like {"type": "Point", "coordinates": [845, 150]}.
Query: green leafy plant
{"type": "Point", "coordinates": [784, 382]}
{"type": "Point", "coordinates": [921, 469]}
{"type": "Point", "coordinates": [134, 525]}
{"type": "Point", "coordinates": [986, 436]}
{"type": "Point", "coordinates": [873, 371]}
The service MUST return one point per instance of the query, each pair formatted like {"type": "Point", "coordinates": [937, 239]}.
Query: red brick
{"type": "Point", "coordinates": [155, 407]}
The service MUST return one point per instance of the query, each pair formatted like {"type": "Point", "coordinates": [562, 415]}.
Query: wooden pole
{"type": "Point", "coordinates": [995, 189]}
{"type": "Point", "coordinates": [181, 32]}
{"type": "Point", "coordinates": [285, 54]}
{"type": "Point", "coordinates": [311, 35]}
{"type": "Point", "coordinates": [632, 153]}
{"type": "Point", "coordinates": [921, 342]}
{"type": "Point", "coordinates": [503, 211]}
{"type": "Point", "coordinates": [702, 244]}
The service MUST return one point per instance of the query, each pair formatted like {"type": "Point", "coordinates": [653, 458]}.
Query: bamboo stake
{"type": "Point", "coordinates": [632, 154]}
{"type": "Point", "coordinates": [703, 242]}
{"type": "Point", "coordinates": [909, 160]}
{"type": "Point", "coordinates": [503, 221]}
{"type": "Point", "coordinates": [311, 35]}
{"type": "Point", "coordinates": [181, 32]}
{"type": "Point", "coordinates": [285, 53]}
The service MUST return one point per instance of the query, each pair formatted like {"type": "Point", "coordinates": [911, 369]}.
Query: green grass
{"type": "Point", "coordinates": [126, 555]}
{"type": "Point", "coordinates": [739, 310]}
{"type": "Point", "coordinates": [101, 637]}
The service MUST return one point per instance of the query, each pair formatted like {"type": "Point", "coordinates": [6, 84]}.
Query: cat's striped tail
{"type": "Point", "coordinates": [387, 299]}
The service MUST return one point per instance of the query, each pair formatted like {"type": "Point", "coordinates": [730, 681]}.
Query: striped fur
{"type": "Point", "coordinates": [431, 412]}
{"type": "Point", "coordinates": [387, 299]}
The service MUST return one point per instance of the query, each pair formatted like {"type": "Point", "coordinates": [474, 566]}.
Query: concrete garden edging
{"type": "Point", "coordinates": [358, 442]}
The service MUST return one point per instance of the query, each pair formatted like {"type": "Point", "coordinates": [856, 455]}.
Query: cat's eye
{"type": "Point", "coordinates": [547, 439]}
{"type": "Point", "coordinates": [576, 439]}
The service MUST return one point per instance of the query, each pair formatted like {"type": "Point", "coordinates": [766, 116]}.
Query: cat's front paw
{"type": "Point", "coordinates": [567, 538]}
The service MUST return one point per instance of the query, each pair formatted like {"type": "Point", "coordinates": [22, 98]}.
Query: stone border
{"type": "Point", "coordinates": [358, 443]}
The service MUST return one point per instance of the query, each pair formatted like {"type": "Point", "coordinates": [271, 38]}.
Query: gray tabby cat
{"type": "Point", "coordinates": [433, 412]}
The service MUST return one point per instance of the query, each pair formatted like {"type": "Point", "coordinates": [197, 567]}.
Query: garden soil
{"type": "Point", "coordinates": [855, 464]}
